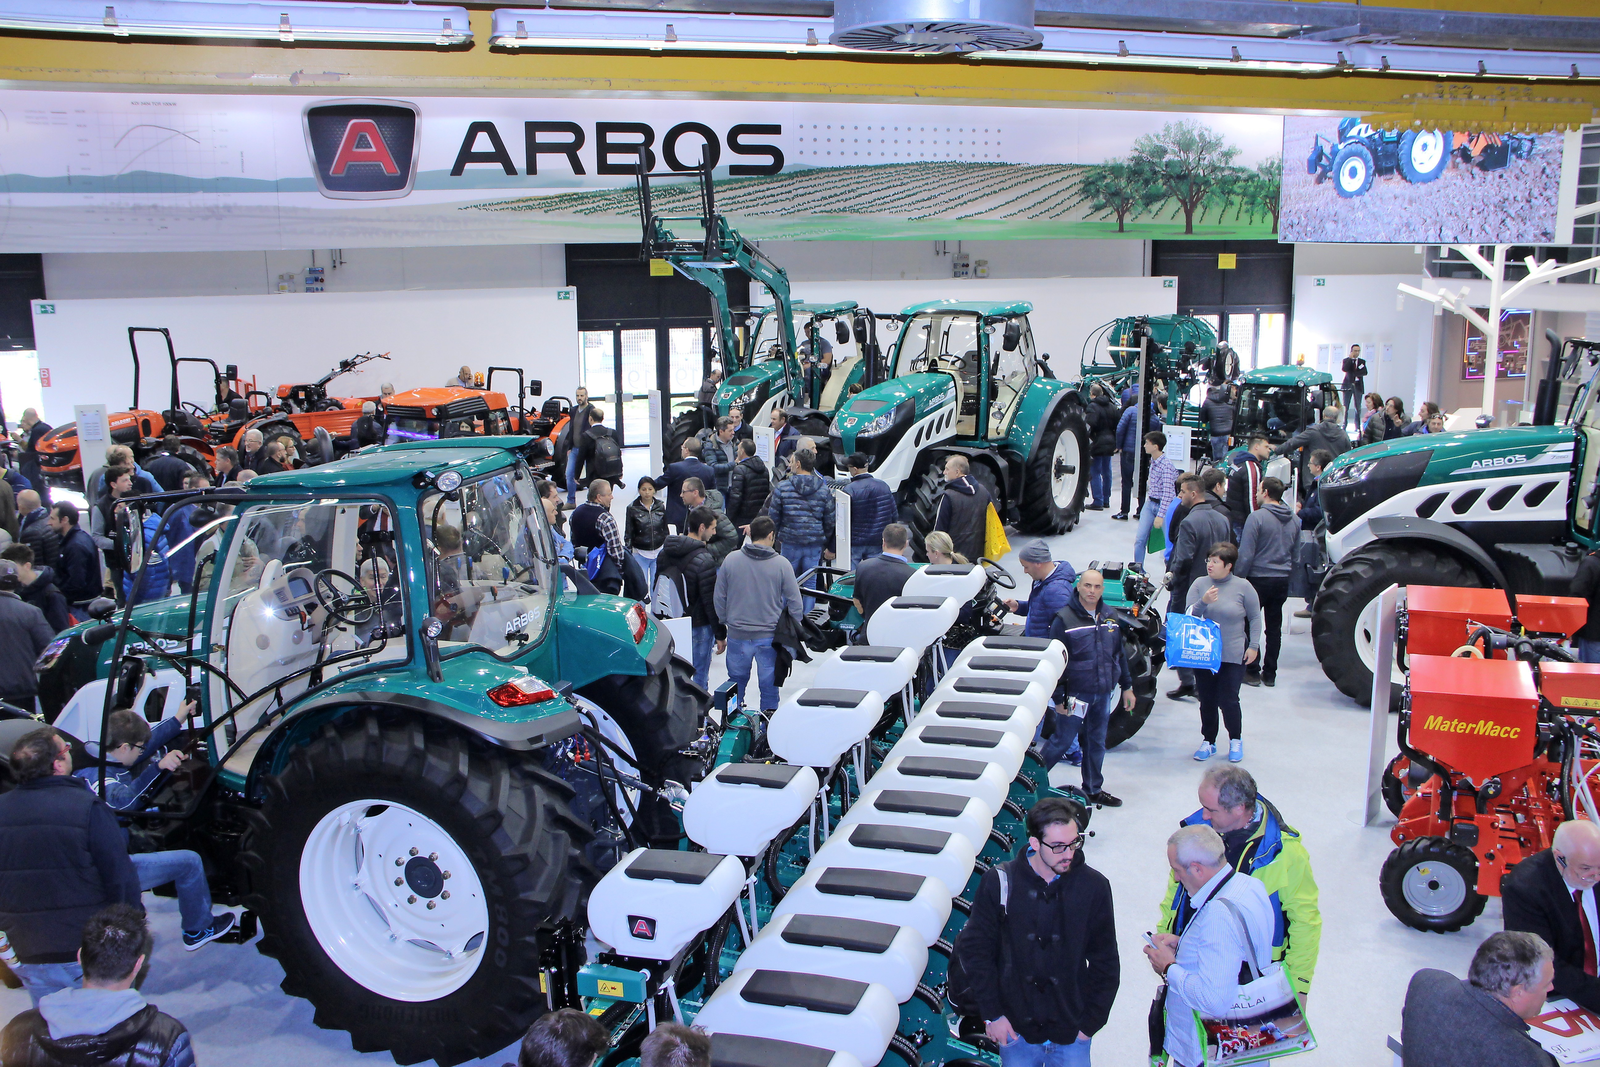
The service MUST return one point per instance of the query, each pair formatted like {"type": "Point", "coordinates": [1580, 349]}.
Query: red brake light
{"type": "Point", "coordinates": [638, 622]}
{"type": "Point", "coordinates": [521, 691]}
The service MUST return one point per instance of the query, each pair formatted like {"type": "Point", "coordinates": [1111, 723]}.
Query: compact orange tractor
{"type": "Point", "coordinates": [1497, 747]}
{"type": "Point", "coordinates": [455, 411]}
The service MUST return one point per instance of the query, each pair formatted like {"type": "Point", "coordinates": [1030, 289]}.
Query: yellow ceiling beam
{"type": "Point", "coordinates": [1463, 103]}
{"type": "Point", "coordinates": [1575, 9]}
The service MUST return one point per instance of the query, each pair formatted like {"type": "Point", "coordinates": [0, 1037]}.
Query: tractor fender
{"type": "Point", "coordinates": [1411, 528]}
{"type": "Point", "coordinates": [1069, 395]}
{"type": "Point", "coordinates": [307, 717]}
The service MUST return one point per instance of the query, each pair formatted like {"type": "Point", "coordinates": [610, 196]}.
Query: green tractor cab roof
{"type": "Point", "coordinates": [1287, 376]}
{"type": "Point", "coordinates": [393, 464]}
{"type": "Point", "coordinates": [985, 309]}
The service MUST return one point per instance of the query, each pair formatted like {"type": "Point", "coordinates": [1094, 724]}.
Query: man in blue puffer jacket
{"type": "Point", "coordinates": [1096, 669]}
{"type": "Point", "coordinates": [1052, 588]}
{"type": "Point", "coordinates": [801, 507]}
{"type": "Point", "coordinates": [872, 507]}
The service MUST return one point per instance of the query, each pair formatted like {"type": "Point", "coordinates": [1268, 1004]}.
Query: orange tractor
{"type": "Point", "coordinates": [455, 411]}
{"type": "Point", "coordinates": [1497, 747]}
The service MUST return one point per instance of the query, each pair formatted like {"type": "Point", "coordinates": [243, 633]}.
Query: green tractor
{"type": "Point", "coordinates": [410, 764]}
{"type": "Point", "coordinates": [1511, 508]}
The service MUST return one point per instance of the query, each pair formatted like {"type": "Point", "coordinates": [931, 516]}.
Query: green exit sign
{"type": "Point", "coordinates": [47, 309]}
{"type": "Point", "coordinates": [563, 294]}
{"type": "Point", "coordinates": [1169, 283]}
{"type": "Point", "coordinates": [1319, 282]}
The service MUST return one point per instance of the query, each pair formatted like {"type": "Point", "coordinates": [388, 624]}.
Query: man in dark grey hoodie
{"type": "Point", "coordinates": [1265, 555]}
{"type": "Point", "coordinates": [754, 588]}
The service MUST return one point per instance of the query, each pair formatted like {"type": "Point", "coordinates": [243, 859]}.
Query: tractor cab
{"type": "Point", "coordinates": [430, 414]}
{"type": "Point", "coordinates": [1281, 401]}
{"type": "Point", "coordinates": [990, 374]}
{"type": "Point", "coordinates": [827, 361]}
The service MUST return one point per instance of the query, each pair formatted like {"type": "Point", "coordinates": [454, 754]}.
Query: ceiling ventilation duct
{"type": "Point", "coordinates": [934, 25]}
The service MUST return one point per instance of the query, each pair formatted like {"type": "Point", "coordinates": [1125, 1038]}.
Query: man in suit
{"type": "Point", "coordinates": [1552, 894]}
{"type": "Point", "coordinates": [690, 466]}
{"type": "Point", "coordinates": [1354, 383]}
{"type": "Point", "coordinates": [1446, 1021]}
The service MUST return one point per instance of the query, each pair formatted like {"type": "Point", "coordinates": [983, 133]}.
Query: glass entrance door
{"type": "Point", "coordinates": [619, 370]}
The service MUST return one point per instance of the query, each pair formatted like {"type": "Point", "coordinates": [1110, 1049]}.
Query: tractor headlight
{"type": "Point", "coordinates": [885, 421]}
{"type": "Point", "coordinates": [1349, 474]}
{"type": "Point", "coordinates": [745, 397]}
{"type": "Point", "coordinates": [1349, 492]}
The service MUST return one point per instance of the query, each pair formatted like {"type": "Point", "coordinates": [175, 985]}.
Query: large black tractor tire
{"type": "Point", "coordinates": [1145, 662]}
{"type": "Point", "coordinates": [686, 425]}
{"type": "Point", "coordinates": [563, 445]}
{"type": "Point", "coordinates": [1353, 171]}
{"type": "Point", "coordinates": [1430, 884]}
{"type": "Point", "coordinates": [271, 431]}
{"type": "Point", "coordinates": [457, 802]}
{"type": "Point", "coordinates": [1400, 779]}
{"type": "Point", "coordinates": [1338, 631]}
{"type": "Point", "coordinates": [918, 499]}
{"type": "Point", "coordinates": [1423, 155]}
{"type": "Point", "coordinates": [1056, 480]}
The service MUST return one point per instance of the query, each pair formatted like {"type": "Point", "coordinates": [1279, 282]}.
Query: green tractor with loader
{"type": "Point", "coordinates": [1513, 508]}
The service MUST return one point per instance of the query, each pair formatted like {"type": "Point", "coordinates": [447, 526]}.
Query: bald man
{"type": "Point", "coordinates": [1552, 894]}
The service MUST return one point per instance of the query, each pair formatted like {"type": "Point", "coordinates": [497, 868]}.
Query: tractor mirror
{"type": "Point", "coordinates": [130, 536]}
{"type": "Point", "coordinates": [861, 330]}
{"type": "Point", "coordinates": [1013, 336]}
{"type": "Point", "coordinates": [231, 372]}
{"type": "Point", "coordinates": [841, 332]}
{"type": "Point", "coordinates": [101, 608]}
{"type": "Point", "coordinates": [536, 387]}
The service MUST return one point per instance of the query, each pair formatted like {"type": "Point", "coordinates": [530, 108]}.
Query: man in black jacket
{"type": "Point", "coordinates": [167, 467]}
{"type": "Point", "coordinates": [687, 562]}
{"type": "Point", "coordinates": [963, 510]}
{"type": "Point", "coordinates": [1552, 894]}
{"type": "Point", "coordinates": [883, 577]}
{"type": "Point", "coordinates": [1097, 669]}
{"type": "Point", "coordinates": [78, 566]}
{"type": "Point", "coordinates": [1102, 417]}
{"type": "Point", "coordinates": [1244, 484]}
{"type": "Point", "coordinates": [37, 533]}
{"type": "Point", "coordinates": [1354, 383]}
{"type": "Point", "coordinates": [1039, 951]}
{"type": "Point", "coordinates": [62, 858]}
{"type": "Point", "coordinates": [24, 634]}
{"type": "Point", "coordinates": [749, 485]}
{"type": "Point", "coordinates": [690, 466]}
{"type": "Point", "coordinates": [107, 1022]}
{"type": "Point", "coordinates": [37, 586]}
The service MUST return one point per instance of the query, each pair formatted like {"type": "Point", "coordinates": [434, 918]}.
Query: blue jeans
{"type": "Point", "coordinates": [574, 460]}
{"type": "Point", "coordinates": [1147, 522]}
{"type": "Point", "coordinates": [42, 979]}
{"type": "Point", "coordinates": [184, 868]}
{"type": "Point", "coordinates": [1092, 736]}
{"type": "Point", "coordinates": [1588, 651]}
{"type": "Point", "coordinates": [1021, 1054]}
{"type": "Point", "coordinates": [1100, 480]}
{"type": "Point", "coordinates": [703, 641]}
{"type": "Point", "coordinates": [1061, 743]}
{"type": "Point", "coordinates": [648, 565]}
{"type": "Point", "coordinates": [802, 558]}
{"type": "Point", "coordinates": [861, 552]}
{"type": "Point", "coordinates": [1219, 448]}
{"type": "Point", "coordinates": [741, 654]}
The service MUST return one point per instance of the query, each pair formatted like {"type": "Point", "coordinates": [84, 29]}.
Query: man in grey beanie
{"type": "Point", "coordinates": [1052, 588]}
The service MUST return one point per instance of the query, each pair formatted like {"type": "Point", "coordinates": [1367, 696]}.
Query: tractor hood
{"type": "Point", "coordinates": [890, 406]}
{"type": "Point", "coordinates": [1278, 377]}
{"type": "Point", "coordinates": [749, 388]}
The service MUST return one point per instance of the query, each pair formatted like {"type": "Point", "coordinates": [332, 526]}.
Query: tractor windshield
{"type": "Point", "coordinates": [490, 562]}
{"type": "Point", "coordinates": [935, 342]}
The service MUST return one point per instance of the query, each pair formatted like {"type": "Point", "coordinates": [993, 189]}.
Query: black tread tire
{"type": "Point", "coordinates": [1037, 510]}
{"type": "Point", "coordinates": [919, 503]}
{"type": "Point", "coordinates": [1394, 794]}
{"type": "Point", "coordinates": [1354, 582]}
{"type": "Point", "coordinates": [1146, 664]}
{"type": "Point", "coordinates": [511, 817]}
{"type": "Point", "coordinates": [271, 431]}
{"type": "Point", "coordinates": [686, 425]}
{"type": "Point", "coordinates": [1433, 850]}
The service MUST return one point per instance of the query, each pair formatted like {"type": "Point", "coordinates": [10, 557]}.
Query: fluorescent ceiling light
{"type": "Point", "coordinates": [659, 31]}
{"type": "Point", "coordinates": [288, 23]}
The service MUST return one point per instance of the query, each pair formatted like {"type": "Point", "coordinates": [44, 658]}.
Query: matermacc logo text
{"type": "Point", "coordinates": [1483, 727]}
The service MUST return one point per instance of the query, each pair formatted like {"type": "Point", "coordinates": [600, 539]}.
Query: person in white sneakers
{"type": "Point", "coordinates": [1232, 604]}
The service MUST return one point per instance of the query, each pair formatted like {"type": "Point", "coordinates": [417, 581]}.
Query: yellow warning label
{"type": "Point", "coordinates": [544, 982]}
{"type": "Point", "coordinates": [609, 989]}
{"type": "Point", "coordinates": [660, 268]}
{"type": "Point", "coordinates": [1580, 702]}
{"type": "Point", "coordinates": [1227, 261]}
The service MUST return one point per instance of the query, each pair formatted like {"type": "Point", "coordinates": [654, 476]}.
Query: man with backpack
{"type": "Point", "coordinates": [749, 484]}
{"type": "Point", "coordinates": [603, 453]}
{"type": "Point", "coordinates": [1037, 959]}
{"type": "Point", "coordinates": [686, 584]}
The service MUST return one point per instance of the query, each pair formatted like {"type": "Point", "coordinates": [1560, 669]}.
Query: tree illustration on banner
{"type": "Point", "coordinates": [1121, 188]}
{"type": "Point", "coordinates": [1189, 161]}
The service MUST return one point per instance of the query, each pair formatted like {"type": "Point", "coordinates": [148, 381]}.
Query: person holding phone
{"type": "Point", "coordinates": [1039, 951]}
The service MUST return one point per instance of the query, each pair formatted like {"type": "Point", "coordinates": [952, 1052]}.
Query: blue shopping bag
{"type": "Point", "coordinates": [1193, 642]}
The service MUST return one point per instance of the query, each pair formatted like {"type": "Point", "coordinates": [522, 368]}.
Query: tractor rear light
{"type": "Point", "coordinates": [638, 622]}
{"type": "Point", "coordinates": [520, 692]}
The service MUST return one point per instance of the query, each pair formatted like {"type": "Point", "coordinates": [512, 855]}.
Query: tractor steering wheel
{"type": "Point", "coordinates": [1002, 578]}
{"type": "Point", "coordinates": [343, 598]}
{"type": "Point", "coordinates": [199, 412]}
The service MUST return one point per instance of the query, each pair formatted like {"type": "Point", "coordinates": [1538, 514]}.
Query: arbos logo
{"type": "Point", "coordinates": [363, 149]}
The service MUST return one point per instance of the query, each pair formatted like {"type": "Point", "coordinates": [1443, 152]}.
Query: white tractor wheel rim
{"type": "Point", "coordinates": [1064, 481]}
{"type": "Point", "coordinates": [1366, 635]}
{"type": "Point", "coordinates": [1353, 173]}
{"type": "Point", "coordinates": [416, 941]}
{"type": "Point", "coordinates": [1427, 148]}
{"type": "Point", "coordinates": [1434, 889]}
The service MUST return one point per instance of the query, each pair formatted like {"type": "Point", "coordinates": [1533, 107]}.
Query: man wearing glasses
{"type": "Point", "coordinates": [1552, 894]}
{"type": "Point", "coordinates": [1039, 950]}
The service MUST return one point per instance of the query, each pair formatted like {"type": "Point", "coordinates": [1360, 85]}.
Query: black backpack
{"type": "Point", "coordinates": [605, 459]}
{"type": "Point", "coordinates": [958, 990]}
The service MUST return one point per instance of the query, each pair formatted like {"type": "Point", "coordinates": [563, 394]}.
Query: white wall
{"type": "Point", "coordinates": [299, 337]}
{"type": "Point", "coordinates": [809, 261]}
{"type": "Point", "coordinates": [1325, 259]}
{"type": "Point", "coordinates": [1065, 310]}
{"type": "Point", "coordinates": [1363, 309]}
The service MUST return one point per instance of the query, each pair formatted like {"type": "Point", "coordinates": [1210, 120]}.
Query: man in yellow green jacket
{"type": "Point", "coordinates": [1259, 843]}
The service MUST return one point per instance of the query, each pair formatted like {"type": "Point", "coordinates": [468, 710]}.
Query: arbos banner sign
{"type": "Point", "coordinates": [363, 149]}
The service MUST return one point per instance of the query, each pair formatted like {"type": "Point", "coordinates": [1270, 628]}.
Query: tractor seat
{"type": "Point", "coordinates": [836, 1013]}
{"type": "Point", "coordinates": [964, 684]}
{"type": "Point", "coordinates": [183, 423]}
{"type": "Point", "coordinates": [951, 812]}
{"type": "Point", "coordinates": [816, 726]}
{"type": "Point", "coordinates": [656, 901]}
{"type": "Point", "coordinates": [913, 621]}
{"type": "Point", "coordinates": [999, 747]}
{"type": "Point", "coordinates": [741, 1050]}
{"type": "Point", "coordinates": [739, 808]}
{"type": "Point", "coordinates": [1018, 719]}
{"type": "Point", "coordinates": [839, 947]}
{"type": "Point", "coordinates": [938, 854]}
{"type": "Point", "coordinates": [963, 581]}
{"type": "Point", "coordinates": [879, 668]}
{"type": "Point", "coordinates": [969, 775]}
{"type": "Point", "coordinates": [1041, 669]}
{"type": "Point", "coordinates": [891, 897]}
{"type": "Point", "coordinates": [552, 408]}
{"type": "Point", "coordinates": [999, 644]}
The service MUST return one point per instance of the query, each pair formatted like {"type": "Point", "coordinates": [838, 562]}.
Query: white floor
{"type": "Point", "coordinates": [1304, 742]}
